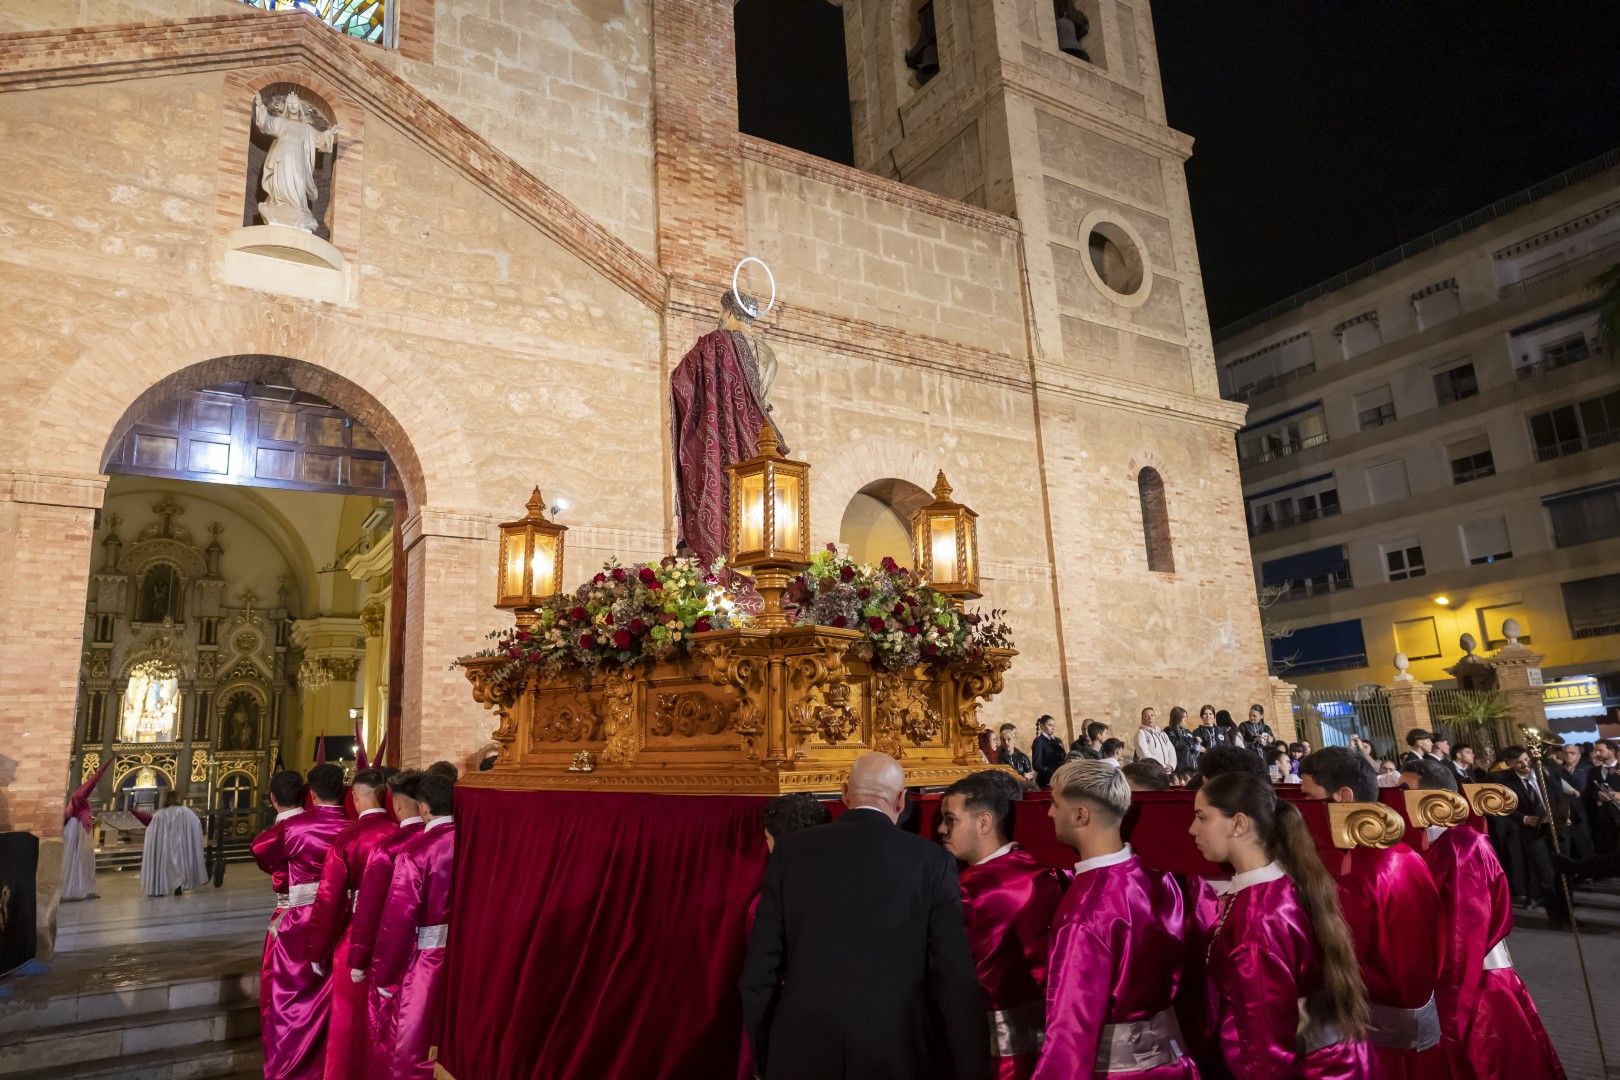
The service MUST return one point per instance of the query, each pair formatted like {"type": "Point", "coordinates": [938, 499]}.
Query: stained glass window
{"type": "Point", "coordinates": [364, 19]}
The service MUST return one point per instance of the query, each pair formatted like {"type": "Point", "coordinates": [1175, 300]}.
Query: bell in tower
{"type": "Point", "coordinates": [923, 56]}
{"type": "Point", "coordinates": [1072, 28]}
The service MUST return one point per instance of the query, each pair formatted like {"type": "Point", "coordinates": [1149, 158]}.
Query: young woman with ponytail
{"type": "Point", "coordinates": [1286, 992]}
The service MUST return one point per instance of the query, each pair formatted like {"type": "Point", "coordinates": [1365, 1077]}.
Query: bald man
{"type": "Point", "coordinates": [859, 964]}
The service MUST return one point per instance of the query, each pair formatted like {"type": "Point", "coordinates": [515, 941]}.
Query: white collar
{"type": "Point", "coordinates": [285, 814]}
{"type": "Point", "coordinates": [1434, 832]}
{"type": "Point", "coordinates": [996, 854]}
{"type": "Point", "coordinates": [436, 822]}
{"type": "Point", "coordinates": [410, 820]}
{"type": "Point", "coordinates": [373, 810]}
{"type": "Point", "coordinates": [1269, 872]}
{"type": "Point", "coordinates": [1124, 854]}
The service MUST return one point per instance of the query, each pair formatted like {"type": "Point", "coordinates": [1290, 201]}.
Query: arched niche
{"type": "Point", "coordinates": [877, 521]}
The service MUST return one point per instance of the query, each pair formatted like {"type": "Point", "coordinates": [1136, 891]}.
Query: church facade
{"type": "Point", "coordinates": [530, 215]}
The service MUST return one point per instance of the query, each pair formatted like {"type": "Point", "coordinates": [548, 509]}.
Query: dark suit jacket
{"type": "Point", "coordinates": [1510, 779]}
{"type": "Point", "coordinates": [1047, 752]}
{"type": "Point", "coordinates": [1603, 818]}
{"type": "Point", "coordinates": [859, 966]}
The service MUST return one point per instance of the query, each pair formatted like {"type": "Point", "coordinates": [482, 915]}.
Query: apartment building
{"type": "Point", "coordinates": [1433, 448]}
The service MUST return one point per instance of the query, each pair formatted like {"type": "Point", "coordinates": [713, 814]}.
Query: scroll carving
{"type": "Point", "coordinates": [746, 675]}
{"type": "Point", "coordinates": [499, 694]}
{"type": "Point", "coordinates": [1491, 800]}
{"type": "Point", "coordinates": [687, 714]}
{"type": "Point", "coordinates": [974, 685]}
{"type": "Point", "coordinates": [1435, 807]}
{"type": "Point", "coordinates": [816, 685]}
{"type": "Point", "coordinates": [1371, 825]}
{"type": "Point", "coordinates": [619, 717]}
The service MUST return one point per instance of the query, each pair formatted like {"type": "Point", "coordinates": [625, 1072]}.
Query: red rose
{"type": "Point", "coordinates": [599, 578]}
{"type": "Point", "coordinates": [913, 631]}
{"type": "Point", "coordinates": [523, 635]}
{"type": "Point", "coordinates": [840, 622]}
{"type": "Point", "coordinates": [621, 639]}
{"type": "Point", "coordinates": [899, 610]}
{"type": "Point", "coordinates": [637, 626]}
{"type": "Point", "coordinates": [655, 584]}
{"type": "Point", "coordinates": [648, 575]}
{"type": "Point", "coordinates": [618, 573]}
{"type": "Point", "coordinates": [832, 548]}
{"type": "Point", "coordinates": [608, 618]}
{"type": "Point", "coordinates": [516, 654]}
{"type": "Point", "coordinates": [846, 573]}
{"type": "Point", "coordinates": [703, 625]}
{"type": "Point", "coordinates": [587, 641]}
{"type": "Point", "coordinates": [864, 593]}
{"type": "Point", "coordinates": [888, 562]}
{"type": "Point", "coordinates": [875, 624]}
{"type": "Point", "coordinates": [534, 658]}
{"type": "Point", "coordinates": [930, 650]}
{"type": "Point", "coordinates": [578, 614]}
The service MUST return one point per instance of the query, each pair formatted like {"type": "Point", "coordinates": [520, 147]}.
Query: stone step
{"type": "Point", "coordinates": [23, 1013]}
{"type": "Point", "coordinates": [233, 1058]}
{"type": "Point", "coordinates": [116, 1038]}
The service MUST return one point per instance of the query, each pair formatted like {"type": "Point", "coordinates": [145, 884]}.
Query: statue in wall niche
{"type": "Point", "coordinates": [239, 728]}
{"type": "Point", "coordinates": [288, 178]}
{"type": "Point", "coordinates": [719, 401]}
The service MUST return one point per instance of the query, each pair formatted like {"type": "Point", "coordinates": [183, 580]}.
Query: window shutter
{"type": "Point", "coordinates": [1488, 536]}
{"type": "Point", "coordinates": [1479, 444]}
{"type": "Point", "coordinates": [1386, 483]}
{"type": "Point", "coordinates": [1594, 603]}
{"type": "Point", "coordinates": [1417, 638]}
{"type": "Point", "coordinates": [1372, 399]}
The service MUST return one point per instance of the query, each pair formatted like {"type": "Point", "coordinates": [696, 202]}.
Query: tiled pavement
{"type": "Point", "coordinates": [1548, 963]}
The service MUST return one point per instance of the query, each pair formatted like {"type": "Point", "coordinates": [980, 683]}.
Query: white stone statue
{"type": "Point", "coordinates": [289, 166]}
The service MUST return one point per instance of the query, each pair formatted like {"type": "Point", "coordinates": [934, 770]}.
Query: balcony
{"type": "Point", "coordinates": [1574, 534]}
{"type": "Point", "coordinates": [1551, 451]}
{"type": "Point", "coordinates": [1271, 382]}
{"type": "Point", "coordinates": [1606, 254]}
{"type": "Point", "coordinates": [1561, 359]}
{"type": "Point", "coordinates": [1288, 521]}
{"type": "Point", "coordinates": [1317, 586]}
{"type": "Point", "coordinates": [1283, 450]}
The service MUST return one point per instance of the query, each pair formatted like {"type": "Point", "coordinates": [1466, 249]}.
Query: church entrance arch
{"type": "Point", "coordinates": [877, 521]}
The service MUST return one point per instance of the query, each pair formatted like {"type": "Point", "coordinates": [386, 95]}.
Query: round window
{"type": "Point", "coordinates": [1115, 261]}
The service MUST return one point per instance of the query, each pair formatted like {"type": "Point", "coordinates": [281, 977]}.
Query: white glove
{"type": "Point", "coordinates": [318, 969]}
{"type": "Point", "coordinates": [356, 975]}
{"type": "Point", "coordinates": [385, 993]}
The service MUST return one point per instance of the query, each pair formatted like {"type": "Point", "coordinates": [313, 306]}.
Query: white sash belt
{"type": "Point", "coordinates": [1312, 1034]}
{"type": "Point", "coordinates": [1017, 1031]}
{"type": "Point", "coordinates": [1404, 1029]}
{"type": "Point", "coordinates": [1140, 1044]}
{"type": "Point", "coordinates": [302, 895]}
{"type": "Point", "coordinates": [1498, 957]}
{"type": "Point", "coordinates": [281, 899]}
{"type": "Point", "coordinates": [432, 937]}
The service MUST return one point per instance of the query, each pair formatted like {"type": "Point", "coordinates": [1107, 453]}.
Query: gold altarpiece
{"type": "Point", "coordinates": [749, 711]}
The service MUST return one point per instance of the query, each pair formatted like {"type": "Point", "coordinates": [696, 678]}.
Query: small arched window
{"type": "Point", "coordinates": [1155, 521]}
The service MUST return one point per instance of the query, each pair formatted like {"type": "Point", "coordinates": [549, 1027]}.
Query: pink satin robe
{"type": "Point", "coordinates": [271, 856]}
{"type": "Point", "coordinates": [1118, 946]}
{"type": "Point", "coordinates": [327, 941]}
{"type": "Point", "coordinates": [1007, 906]}
{"type": "Point", "coordinates": [1487, 1016]}
{"type": "Point", "coordinates": [293, 999]}
{"type": "Point", "coordinates": [368, 908]}
{"type": "Point", "coordinates": [1262, 959]}
{"type": "Point", "coordinates": [419, 896]}
{"type": "Point", "coordinates": [1393, 909]}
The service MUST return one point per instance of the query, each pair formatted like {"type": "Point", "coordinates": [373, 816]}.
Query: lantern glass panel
{"type": "Point", "coordinates": [545, 566]}
{"type": "Point", "coordinates": [942, 548]}
{"type": "Point", "coordinates": [512, 551]}
{"type": "Point", "coordinates": [786, 537]}
{"type": "Point", "coordinates": [750, 497]}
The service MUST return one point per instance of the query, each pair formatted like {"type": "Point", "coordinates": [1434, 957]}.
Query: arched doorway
{"type": "Point", "coordinates": [877, 521]}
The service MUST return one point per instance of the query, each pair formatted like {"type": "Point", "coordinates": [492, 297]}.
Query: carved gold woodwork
{"type": "Point", "coordinates": [1493, 800]}
{"type": "Point", "coordinates": [1435, 807]}
{"type": "Point", "coordinates": [1364, 824]}
{"type": "Point", "coordinates": [87, 767]}
{"type": "Point", "coordinates": [750, 711]}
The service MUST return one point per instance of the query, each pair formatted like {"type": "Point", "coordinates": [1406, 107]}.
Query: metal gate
{"type": "Point", "coordinates": [1330, 717]}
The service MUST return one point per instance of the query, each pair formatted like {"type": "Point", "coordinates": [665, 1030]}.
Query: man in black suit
{"type": "Point", "coordinates": [858, 966]}
{"type": "Point", "coordinates": [1600, 798]}
{"type": "Point", "coordinates": [1533, 816]}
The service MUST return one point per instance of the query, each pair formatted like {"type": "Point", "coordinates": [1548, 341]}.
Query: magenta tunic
{"type": "Point", "coordinates": [1007, 905]}
{"type": "Point", "coordinates": [327, 940]}
{"type": "Point", "coordinates": [1485, 1012]}
{"type": "Point", "coordinates": [293, 999]}
{"type": "Point", "coordinates": [1390, 902]}
{"type": "Point", "coordinates": [408, 959]}
{"type": "Point", "coordinates": [271, 856]}
{"type": "Point", "coordinates": [1262, 960]}
{"type": "Point", "coordinates": [1118, 946]}
{"type": "Point", "coordinates": [368, 907]}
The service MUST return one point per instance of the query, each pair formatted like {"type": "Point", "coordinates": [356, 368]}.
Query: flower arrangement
{"type": "Point", "coordinates": [905, 621]}
{"type": "Point", "coordinates": [623, 615]}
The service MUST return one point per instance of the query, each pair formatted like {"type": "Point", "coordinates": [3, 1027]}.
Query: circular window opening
{"type": "Point", "coordinates": [1116, 259]}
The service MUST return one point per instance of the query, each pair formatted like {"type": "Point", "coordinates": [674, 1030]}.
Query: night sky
{"type": "Point", "coordinates": [1325, 133]}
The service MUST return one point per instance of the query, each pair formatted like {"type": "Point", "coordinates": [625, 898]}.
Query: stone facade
{"type": "Point", "coordinates": [529, 254]}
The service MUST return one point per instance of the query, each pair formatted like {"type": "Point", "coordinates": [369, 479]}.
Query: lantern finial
{"type": "Point", "coordinates": [942, 487]}
{"type": "Point", "coordinates": [767, 440]}
{"type": "Point", "coordinates": [536, 504]}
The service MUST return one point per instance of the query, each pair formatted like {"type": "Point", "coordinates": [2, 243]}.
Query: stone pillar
{"type": "Point", "coordinates": [1408, 704]}
{"type": "Point", "coordinates": [449, 563]}
{"type": "Point", "coordinates": [332, 645]}
{"type": "Point", "coordinates": [1518, 677]}
{"type": "Point", "coordinates": [1280, 711]}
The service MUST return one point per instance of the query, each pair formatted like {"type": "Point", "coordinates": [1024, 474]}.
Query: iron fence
{"type": "Point", "coordinates": [1477, 718]}
{"type": "Point", "coordinates": [1330, 717]}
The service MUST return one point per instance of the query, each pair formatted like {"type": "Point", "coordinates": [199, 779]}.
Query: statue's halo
{"type": "Point", "coordinates": [743, 305]}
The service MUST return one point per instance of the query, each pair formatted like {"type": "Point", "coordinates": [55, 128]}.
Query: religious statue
{"type": "Point", "coordinates": [719, 401]}
{"type": "Point", "coordinates": [288, 179]}
{"type": "Point", "coordinates": [160, 595]}
{"type": "Point", "coordinates": [239, 729]}
{"type": "Point", "coordinates": [151, 706]}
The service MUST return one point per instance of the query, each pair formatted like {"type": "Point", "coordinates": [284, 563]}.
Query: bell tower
{"type": "Point", "coordinates": [1049, 111]}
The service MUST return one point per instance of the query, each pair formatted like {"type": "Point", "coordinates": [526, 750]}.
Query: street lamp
{"type": "Point", "coordinates": [945, 539]}
{"type": "Point", "coordinates": [531, 561]}
{"type": "Point", "coordinates": [769, 522]}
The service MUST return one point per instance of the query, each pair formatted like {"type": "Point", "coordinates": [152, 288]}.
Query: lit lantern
{"type": "Point", "coordinates": [531, 561]}
{"type": "Point", "coordinates": [768, 528]}
{"type": "Point", "coordinates": [945, 538]}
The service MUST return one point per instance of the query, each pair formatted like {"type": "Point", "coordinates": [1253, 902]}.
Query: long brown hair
{"type": "Point", "coordinates": [1281, 829]}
